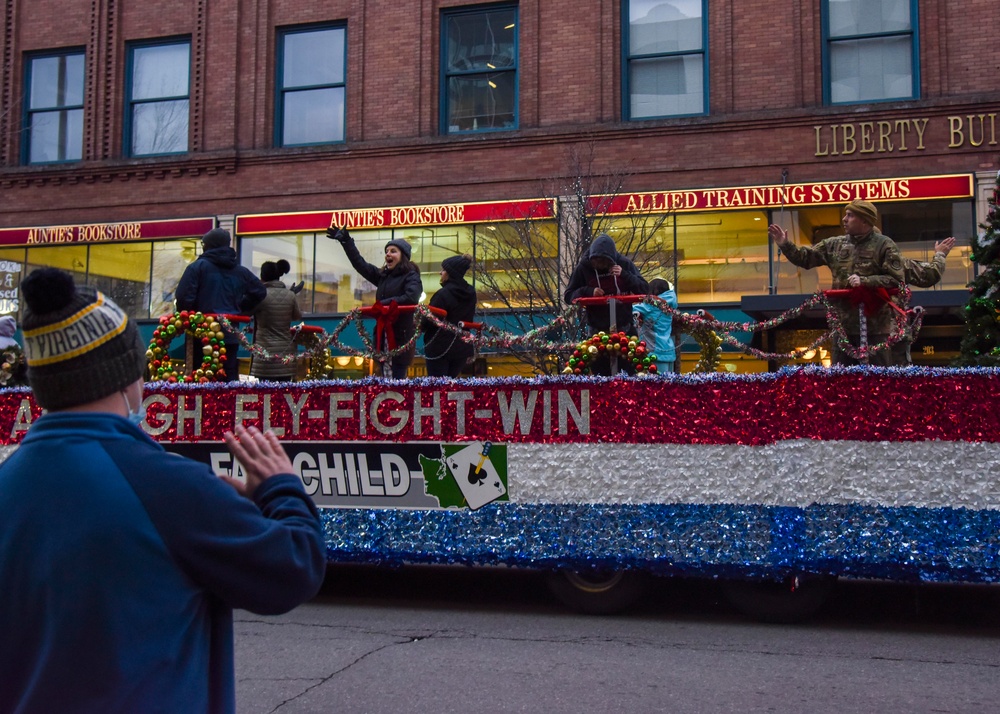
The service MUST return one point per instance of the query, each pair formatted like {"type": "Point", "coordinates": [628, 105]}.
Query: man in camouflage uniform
{"type": "Point", "coordinates": [927, 275]}
{"type": "Point", "coordinates": [861, 258]}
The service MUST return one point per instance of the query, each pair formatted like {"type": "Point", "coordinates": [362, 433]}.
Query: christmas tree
{"type": "Point", "coordinates": [981, 344]}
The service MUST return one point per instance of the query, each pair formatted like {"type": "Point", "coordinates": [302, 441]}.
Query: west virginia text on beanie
{"type": "Point", "coordinates": [79, 345]}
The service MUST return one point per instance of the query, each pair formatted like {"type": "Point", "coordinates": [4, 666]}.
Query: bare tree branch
{"type": "Point", "coordinates": [525, 264]}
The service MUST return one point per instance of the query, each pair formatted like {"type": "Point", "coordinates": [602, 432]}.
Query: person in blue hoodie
{"type": "Point", "coordinates": [444, 350]}
{"type": "Point", "coordinates": [216, 283]}
{"type": "Point", "coordinates": [605, 271]}
{"type": "Point", "coordinates": [655, 326]}
{"type": "Point", "coordinates": [120, 563]}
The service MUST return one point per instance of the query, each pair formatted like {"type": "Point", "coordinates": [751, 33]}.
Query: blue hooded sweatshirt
{"type": "Point", "coordinates": [120, 565]}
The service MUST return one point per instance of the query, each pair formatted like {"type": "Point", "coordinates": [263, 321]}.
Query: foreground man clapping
{"type": "Point", "coordinates": [120, 563]}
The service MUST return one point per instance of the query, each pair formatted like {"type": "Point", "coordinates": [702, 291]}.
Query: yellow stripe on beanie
{"type": "Point", "coordinates": [78, 334]}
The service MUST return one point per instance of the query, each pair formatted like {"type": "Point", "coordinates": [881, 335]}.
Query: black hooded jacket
{"type": "Point", "coordinates": [216, 283]}
{"type": "Point", "coordinates": [585, 279]}
{"type": "Point", "coordinates": [458, 299]}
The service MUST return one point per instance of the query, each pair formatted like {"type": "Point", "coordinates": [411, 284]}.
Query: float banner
{"type": "Point", "coordinates": [859, 471]}
{"type": "Point", "coordinates": [373, 475]}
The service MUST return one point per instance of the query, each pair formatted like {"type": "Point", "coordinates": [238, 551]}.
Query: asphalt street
{"type": "Point", "coordinates": [492, 640]}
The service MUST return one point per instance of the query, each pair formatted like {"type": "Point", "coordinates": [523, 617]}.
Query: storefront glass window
{"type": "Point", "coordinates": [297, 249]}
{"type": "Point", "coordinates": [721, 256]}
{"type": "Point", "coordinates": [431, 245]}
{"type": "Point", "coordinates": [517, 265]}
{"type": "Point", "coordinates": [139, 276]}
{"type": "Point", "coordinates": [121, 271]}
{"type": "Point", "coordinates": [170, 258]}
{"type": "Point", "coordinates": [11, 274]}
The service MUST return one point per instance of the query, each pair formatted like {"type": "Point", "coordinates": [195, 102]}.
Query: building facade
{"type": "Point", "coordinates": [126, 129]}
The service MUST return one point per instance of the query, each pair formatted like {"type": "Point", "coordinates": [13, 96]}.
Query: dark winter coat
{"type": "Point", "coordinates": [585, 279]}
{"type": "Point", "coordinates": [458, 299]}
{"type": "Point", "coordinates": [401, 284]}
{"type": "Point", "coordinates": [217, 284]}
{"type": "Point", "coordinates": [272, 320]}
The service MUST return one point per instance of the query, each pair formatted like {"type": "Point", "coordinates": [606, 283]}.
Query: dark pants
{"type": "Point", "coordinates": [232, 364]}
{"type": "Point", "coordinates": [448, 365]}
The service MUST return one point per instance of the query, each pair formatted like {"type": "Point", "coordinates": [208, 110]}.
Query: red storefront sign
{"type": "Point", "coordinates": [915, 188]}
{"type": "Point", "coordinates": [361, 218]}
{"type": "Point", "coordinates": [106, 232]}
{"type": "Point", "coordinates": [705, 199]}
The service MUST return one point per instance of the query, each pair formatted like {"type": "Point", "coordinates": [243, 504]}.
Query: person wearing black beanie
{"type": "Point", "coordinates": [446, 353]}
{"type": "Point", "coordinates": [78, 344]}
{"type": "Point", "coordinates": [217, 284]}
{"type": "Point", "coordinates": [272, 319]}
{"type": "Point", "coordinates": [121, 563]}
{"type": "Point", "coordinates": [398, 280]}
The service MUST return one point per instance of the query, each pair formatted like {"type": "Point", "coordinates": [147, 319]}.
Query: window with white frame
{"type": "Point", "coordinates": [157, 111]}
{"type": "Point", "coordinates": [311, 86]}
{"type": "Point", "coordinates": [53, 118]}
{"type": "Point", "coordinates": [479, 70]}
{"type": "Point", "coordinates": [665, 64]}
{"type": "Point", "coordinates": [870, 52]}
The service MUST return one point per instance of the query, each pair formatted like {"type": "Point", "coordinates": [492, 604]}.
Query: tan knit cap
{"type": "Point", "coordinates": [863, 209]}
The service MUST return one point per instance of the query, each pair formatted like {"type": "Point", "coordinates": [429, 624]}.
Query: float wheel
{"type": "Point", "coordinates": [597, 591]}
{"type": "Point", "coordinates": [793, 599]}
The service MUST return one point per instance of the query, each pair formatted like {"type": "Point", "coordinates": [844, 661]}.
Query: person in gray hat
{"type": "Point", "coordinates": [121, 563]}
{"type": "Point", "coordinates": [397, 280]}
{"type": "Point", "coordinates": [216, 283]}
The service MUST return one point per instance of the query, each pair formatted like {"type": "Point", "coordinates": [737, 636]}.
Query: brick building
{"type": "Point", "coordinates": [126, 129]}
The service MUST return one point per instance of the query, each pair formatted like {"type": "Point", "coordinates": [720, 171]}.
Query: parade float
{"type": "Point", "coordinates": [777, 483]}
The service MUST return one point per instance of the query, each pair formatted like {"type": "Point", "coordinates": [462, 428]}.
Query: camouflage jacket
{"type": "Point", "coordinates": [873, 257]}
{"type": "Point", "coordinates": [924, 275]}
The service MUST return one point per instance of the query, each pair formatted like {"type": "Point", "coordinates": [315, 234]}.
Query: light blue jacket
{"type": "Point", "coordinates": [654, 327]}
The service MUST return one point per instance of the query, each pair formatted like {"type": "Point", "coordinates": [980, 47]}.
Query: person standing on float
{"type": "Point", "coordinates": [397, 280]}
{"type": "Point", "coordinates": [605, 271]}
{"type": "Point", "coordinates": [445, 351]}
{"type": "Point", "coordinates": [272, 320]}
{"type": "Point", "coordinates": [863, 257]}
{"type": "Point", "coordinates": [216, 283]}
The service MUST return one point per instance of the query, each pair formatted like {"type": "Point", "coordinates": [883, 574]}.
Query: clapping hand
{"type": "Point", "coordinates": [260, 454]}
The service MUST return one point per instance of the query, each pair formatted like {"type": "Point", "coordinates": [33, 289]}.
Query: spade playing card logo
{"type": "Point", "coordinates": [476, 475]}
